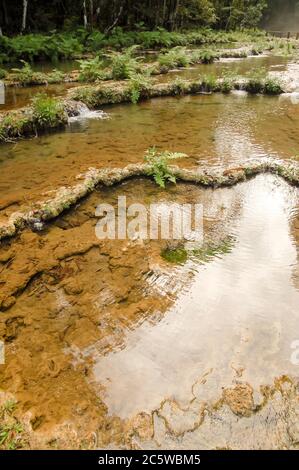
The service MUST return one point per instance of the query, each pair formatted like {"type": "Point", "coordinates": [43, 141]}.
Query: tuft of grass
{"type": "Point", "coordinates": [178, 86]}
{"type": "Point", "coordinates": [255, 82]}
{"type": "Point", "coordinates": [159, 168]}
{"type": "Point", "coordinates": [207, 56]}
{"type": "Point", "coordinates": [47, 111]}
{"type": "Point", "coordinates": [3, 74]}
{"type": "Point", "coordinates": [139, 85]}
{"type": "Point", "coordinates": [26, 76]}
{"type": "Point", "coordinates": [209, 83]}
{"type": "Point", "coordinates": [11, 430]}
{"type": "Point", "coordinates": [176, 57]}
{"type": "Point", "coordinates": [12, 127]}
{"type": "Point", "coordinates": [124, 65]}
{"type": "Point", "coordinates": [56, 76]}
{"type": "Point", "coordinates": [272, 86]}
{"type": "Point", "coordinates": [92, 70]}
{"type": "Point", "coordinates": [228, 80]}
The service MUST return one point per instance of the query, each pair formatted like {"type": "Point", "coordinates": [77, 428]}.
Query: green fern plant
{"type": "Point", "coordinates": [176, 57]}
{"type": "Point", "coordinates": [124, 65]}
{"type": "Point", "coordinates": [158, 165]}
{"type": "Point", "coordinates": [47, 111]}
{"type": "Point", "coordinates": [139, 84]}
{"type": "Point", "coordinates": [26, 76]}
{"type": "Point", "coordinates": [91, 70]}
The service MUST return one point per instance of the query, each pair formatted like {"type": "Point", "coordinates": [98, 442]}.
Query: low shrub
{"type": "Point", "coordinates": [272, 86]}
{"type": "Point", "coordinates": [26, 76]}
{"type": "Point", "coordinates": [205, 56]}
{"type": "Point", "coordinates": [47, 111]}
{"type": "Point", "coordinates": [209, 83]}
{"type": "Point", "coordinates": [159, 168]}
{"type": "Point", "coordinates": [56, 76]}
{"type": "Point", "coordinates": [176, 57]}
{"type": "Point", "coordinates": [92, 70]}
{"type": "Point", "coordinates": [139, 84]}
{"type": "Point", "coordinates": [124, 65]}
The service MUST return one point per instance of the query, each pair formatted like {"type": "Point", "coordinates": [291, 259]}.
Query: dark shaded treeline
{"type": "Point", "coordinates": [46, 15]}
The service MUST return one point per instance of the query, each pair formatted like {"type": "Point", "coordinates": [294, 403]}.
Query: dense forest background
{"type": "Point", "coordinates": [20, 16]}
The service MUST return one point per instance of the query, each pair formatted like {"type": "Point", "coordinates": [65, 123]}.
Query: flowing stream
{"type": "Point", "coordinates": [107, 338]}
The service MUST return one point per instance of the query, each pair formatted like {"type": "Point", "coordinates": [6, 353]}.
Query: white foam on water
{"type": "Point", "coordinates": [86, 113]}
{"type": "Point", "coordinates": [293, 97]}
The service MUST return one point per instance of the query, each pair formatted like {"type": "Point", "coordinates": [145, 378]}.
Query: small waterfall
{"type": "Point", "coordinates": [80, 111]}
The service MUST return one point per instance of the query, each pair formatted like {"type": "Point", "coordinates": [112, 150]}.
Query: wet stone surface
{"type": "Point", "coordinates": [110, 346]}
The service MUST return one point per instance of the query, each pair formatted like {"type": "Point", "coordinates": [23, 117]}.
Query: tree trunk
{"type": "Point", "coordinates": [164, 12]}
{"type": "Point", "coordinates": [110, 28]}
{"type": "Point", "coordinates": [91, 13]}
{"type": "Point", "coordinates": [24, 18]}
{"type": "Point", "coordinates": [85, 14]}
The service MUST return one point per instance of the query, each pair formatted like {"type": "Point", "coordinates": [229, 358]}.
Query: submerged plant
{"type": "Point", "coordinates": [159, 168]}
{"type": "Point", "coordinates": [175, 255]}
{"type": "Point", "coordinates": [213, 250]}
{"type": "Point", "coordinates": [205, 254]}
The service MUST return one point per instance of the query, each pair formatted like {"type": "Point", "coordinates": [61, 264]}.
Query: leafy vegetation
{"type": "Point", "coordinates": [175, 255]}
{"type": "Point", "coordinates": [11, 430]}
{"type": "Point", "coordinates": [209, 83]}
{"type": "Point", "coordinates": [92, 70]}
{"type": "Point", "coordinates": [176, 57]}
{"type": "Point", "coordinates": [159, 165]}
{"type": "Point", "coordinates": [107, 15]}
{"type": "Point", "coordinates": [33, 47]}
{"type": "Point", "coordinates": [47, 111]}
{"type": "Point", "coordinates": [124, 65]}
{"type": "Point", "coordinates": [3, 74]}
{"type": "Point", "coordinates": [26, 76]}
{"type": "Point", "coordinates": [272, 86]}
{"type": "Point", "coordinates": [204, 254]}
{"type": "Point", "coordinates": [139, 84]}
{"type": "Point", "coordinates": [68, 45]}
{"type": "Point", "coordinates": [205, 56]}
{"type": "Point", "coordinates": [210, 251]}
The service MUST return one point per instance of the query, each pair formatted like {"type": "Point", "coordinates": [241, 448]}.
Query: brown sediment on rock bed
{"type": "Point", "coordinates": [66, 197]}
{"type": "Point", "coordinates": [226, 424]}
